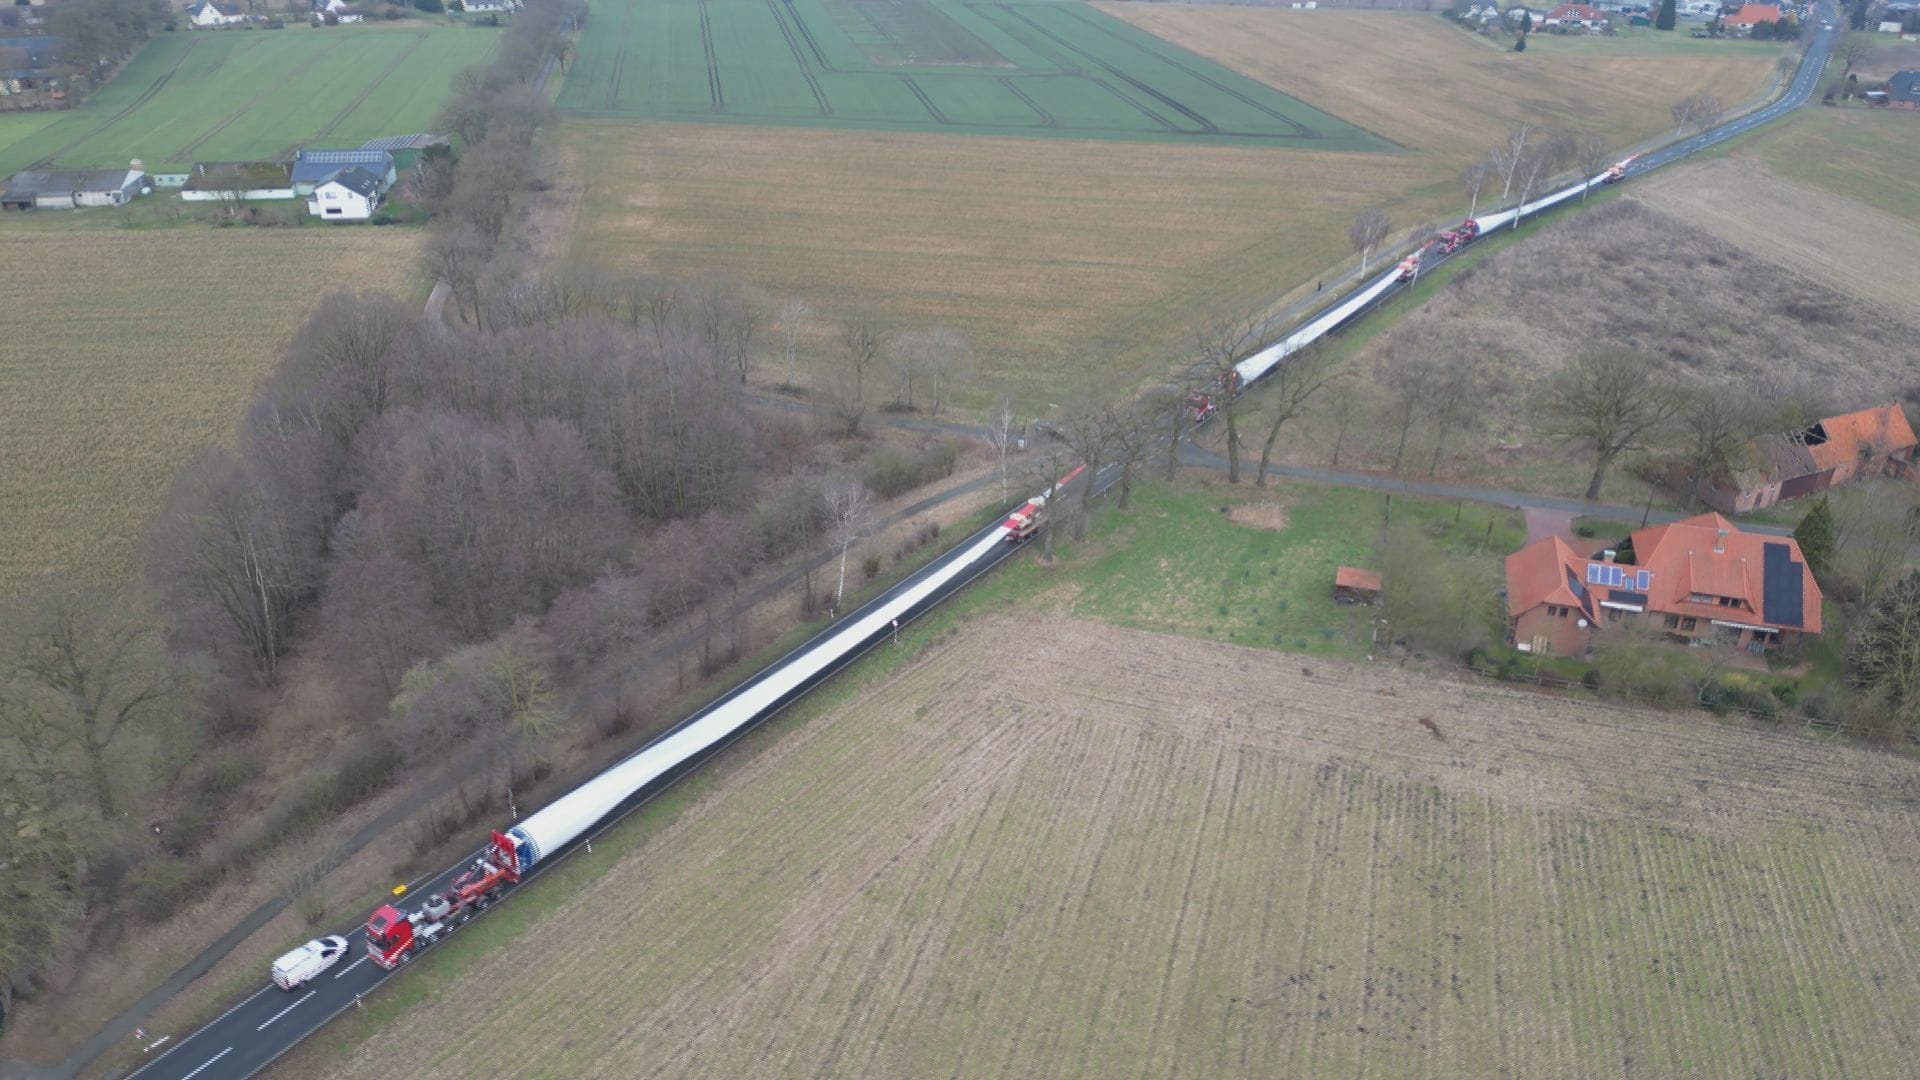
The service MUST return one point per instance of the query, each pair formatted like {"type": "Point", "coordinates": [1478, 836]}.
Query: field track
{"type": "Point", "coordinates": [1121, 853]}
{"type": "Point", "coordinates": [361, 98]}
{"type": "Point", "coordinates": [129, 109]}
{"type": "Point", "coordinates": [185, 153]}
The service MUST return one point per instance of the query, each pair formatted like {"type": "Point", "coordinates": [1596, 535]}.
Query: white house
{"type": "Point", "coordinates": [209, 13]}
{"type": "Point", "coordinates": [312, 167]}
{"type": "Point", "coordinates": [350, 195]}
{"type": "Point", "coordinates": [481, 7]}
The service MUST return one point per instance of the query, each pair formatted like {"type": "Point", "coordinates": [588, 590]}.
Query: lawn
{"type": "Point", "coordinates": [233, 95]}
{"type": "Point", "coordinates": [1047, 844]}
{"type": "Point", "coordinates": [130, 350]}
{"type": "Point", "coordinates": [1060, 69]}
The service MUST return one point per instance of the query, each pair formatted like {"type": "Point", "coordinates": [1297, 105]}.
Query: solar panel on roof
{"type": "Point", "coordinates": [1782, 601]}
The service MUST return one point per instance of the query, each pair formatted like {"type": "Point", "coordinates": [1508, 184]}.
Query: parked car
{"type": "Point", "coordinates": [304, 964]}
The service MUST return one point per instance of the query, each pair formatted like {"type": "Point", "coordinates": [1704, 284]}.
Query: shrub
{"type": "Point", "coordinates": [162, 886]}
{"type": "Point", "coordinates": [892, 470]}
{"type": "Point", "coordinates": [223, 776]}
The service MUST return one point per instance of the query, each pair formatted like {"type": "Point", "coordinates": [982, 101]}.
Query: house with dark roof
{"type": "Point", "coordinates": [1789, 465]}
{"type": "Point", "coordinates": [1701, 581]}
{"type": "Point", "coordinates": [1903, 90]}
{"type": "Point", "coordinates": [352, 194]}
{"type": "Point", "coordinates": [311, 168]}
{"type": "Point", "coordinates": [71, 189]}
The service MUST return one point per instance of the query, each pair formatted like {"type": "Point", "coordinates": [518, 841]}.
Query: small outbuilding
{"type": "Point", "coordinates": [1352, 585]}
{"type": "Point", "coordinates": [70, 189]}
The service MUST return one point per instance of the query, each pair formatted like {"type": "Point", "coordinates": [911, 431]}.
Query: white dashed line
{"type": "Point", "coordinates": [284, 1011]}
{"type": "Point", "coordinates": [209, 1061]}
{"type": "Point", "coordinates": [351, 966]}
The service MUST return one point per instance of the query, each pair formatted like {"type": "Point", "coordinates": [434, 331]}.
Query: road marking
{"type": "Point", "coordinates": [351, 966]}
{"type": "Point", "coordinates": [285, 1011]}
{"type": "Point", "coordinates": [210, 1061]}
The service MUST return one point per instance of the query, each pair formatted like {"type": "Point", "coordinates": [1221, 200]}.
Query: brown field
{"type": "Point", "coordinates": [128, 350]}
{"type": "Point", "coordinates": [1070, 260]}
{"type": "Point", "coordinates": [1845, 245]}
{"type": "Point", "coordinates": [1428, 85]}
{"type": "Point", "coordinates": [1057, 848]}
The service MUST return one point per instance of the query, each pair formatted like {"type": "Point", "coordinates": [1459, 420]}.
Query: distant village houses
{"type": "Point", "coordinates": [1700, 582]}
{"type": "Point", "coordinates": [1570, 16]}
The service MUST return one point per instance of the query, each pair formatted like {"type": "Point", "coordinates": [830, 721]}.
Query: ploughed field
{"type": "Point", "coordinates": [1044, 68]}
{"type": "Point", "coordinates": [133, 350]}
{"type": "Point", "coordinates": [234, 95]}
{"type": "Point", "coordinates": [1051, 846]}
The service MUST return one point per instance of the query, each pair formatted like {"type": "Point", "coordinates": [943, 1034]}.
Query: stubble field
{"type": "Point", "coordinates": [139, 351]}
{"type": "Point", "coordinates": [1053, 846]}
{"type": "Point", "coordinates": [1070, 260]}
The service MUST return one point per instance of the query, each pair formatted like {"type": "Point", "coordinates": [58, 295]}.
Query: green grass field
{"type": "Point", "coordinates": [1051, 68]}
{"type": "Point", "coordinates": [230, 96]}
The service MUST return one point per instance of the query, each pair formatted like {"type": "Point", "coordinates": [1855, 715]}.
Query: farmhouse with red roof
{"type": "Point", "coordinates": [1831, 452]}
{"type": "Point", "coordinates": [1749, 14]}
{"type": "Point", "coordinates": [1701, 580]}
{"type": "Point", "coordinates": [1575, 15]}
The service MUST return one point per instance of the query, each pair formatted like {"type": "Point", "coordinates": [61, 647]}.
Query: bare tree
{"type": "Point", "coordinates": [1000, 435]}
{"type": "Point", "coordinates": [1286, 392]}
{"type": "Point", "coordinates": [1592, 155]}
{"type": "Point", "coordinates": [1221, 341]}
{"type": "Point", "coordinates": [1089, 425]}
{"type": "Point", "coordinates": [1369, 228]}
{"type": "Point", "coordinates": [1474, 178]}
{"type": "Point", "coordinates": [1455, 395]}
{"type": "Point", "coordinates": [1410, 380]}
{"type": "Point", "coordinates": [1698, 111]}
{"type": "Point", "coordinates": [1715, 426]}
{"type": "Point", "coordinates": [849, 520]}
{"type": "Point", "coordinates": [1876, 527]}
{"type": "Point", "coordinates": [863, 336]}
{"type": "Point", "coordinates": [1539, 165]}
{"type": "Point", "coordinates": [794, 313]}
{"type": "Point", "coordinates": [1133, 437]}
{"type": "Point", "coordinates": [377, 617]}
{"type": "Point", "coordinates": [1341, 410]}
{"type": "Point", "coordinates": [1507, 158]}
{"type": "Point", "coordinates": [84, 675]}
{"type": "Point", "coordinates": [948, 359]}
{"type": "Point", "coordinates": [1611, 400]}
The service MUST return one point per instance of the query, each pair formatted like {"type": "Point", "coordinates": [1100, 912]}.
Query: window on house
{"type": "Point", "coordinates": [334, 210]}
{"type": "Point", "coordinates": [1688, 624]}
{"type": "Point", "coordinates": [1673, 622]}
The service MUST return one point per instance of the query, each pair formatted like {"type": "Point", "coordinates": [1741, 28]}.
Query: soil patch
{"type": "Point", "coordinates": [1260, 515]}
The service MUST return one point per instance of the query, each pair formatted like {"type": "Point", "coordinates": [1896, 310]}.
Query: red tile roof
{"type": "Point", "coordinates": [1702, 556]}
{"type": "Point", "coordinates": [1856, 435]}
{"type": "Point", "coordinates": [1575, 11]}
{"type": "Point", "coordinates": [1351, 577]}
{"type": "Point", "coordinates": [1684, 563]}
{"type": "Point", "coordinates": [1753, 13]}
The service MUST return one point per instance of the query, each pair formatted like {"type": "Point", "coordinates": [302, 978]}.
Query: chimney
{"type": "Point", "coordinates": [1720, 542]}
{"type": "Point", "coordinates": [1607, 555]}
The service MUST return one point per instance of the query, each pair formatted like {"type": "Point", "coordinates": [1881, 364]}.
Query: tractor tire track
{"type": "Point", "coordinates": [1046, 118]}
{"type": "Point", "coordinates": [1206, 126]}
{"type": "Point", "coordinates": [340, 117]}
{"type": "Point", "coordinates": [1069, 67]}
{"type": "Point", "coordinates": [932, 109]}
{"type": "Point", "coordinates": [145, 96]}
{"type": "Point", "coordinates": [806, 32]}
{"type": "Point", "coordinates": [612, 100]}
{"type": "Point", "coordinates": [1299, 128]}
{"type": "Point", "coordinates": [800, 58]}
{"type": "Point", "coordinates": [185, 153]}
{"type": "Point", "coordinates": [714, 92]}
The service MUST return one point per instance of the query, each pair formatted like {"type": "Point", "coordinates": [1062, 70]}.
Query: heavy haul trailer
{"type": "Point", "coordinates": [394, 935]}
{"type": "Point", "coordinates": [1024, 522]}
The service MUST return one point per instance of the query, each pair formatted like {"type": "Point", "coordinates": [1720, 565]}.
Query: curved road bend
{"type": "Point", "coordinates": [265, 1025]}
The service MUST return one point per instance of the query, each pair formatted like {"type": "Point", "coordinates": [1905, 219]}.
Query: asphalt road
{"type": "Point", "coordinates": [268, 1023]}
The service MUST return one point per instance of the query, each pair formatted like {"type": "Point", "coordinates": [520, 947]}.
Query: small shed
{"type": "Point", "coordinates": [1352, 585]}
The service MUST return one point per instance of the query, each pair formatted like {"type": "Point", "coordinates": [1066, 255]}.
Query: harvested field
{"type": "Point", "coordinates": [131, 350]}
{"type": "Point", "coordinates": [1060, 258]}
{"type": "Point", "coordinates": [1867, 155]}
{"type": "Point", "coordinates": [1846, 246]}
{"type": "Point", "coordinates": [1426, 84]}
{"type": "Point", "coordinates": [1242, 870]}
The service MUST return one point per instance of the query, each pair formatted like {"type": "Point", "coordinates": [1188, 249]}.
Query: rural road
{"type": "Point", "coordinates": [267, 1024]}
